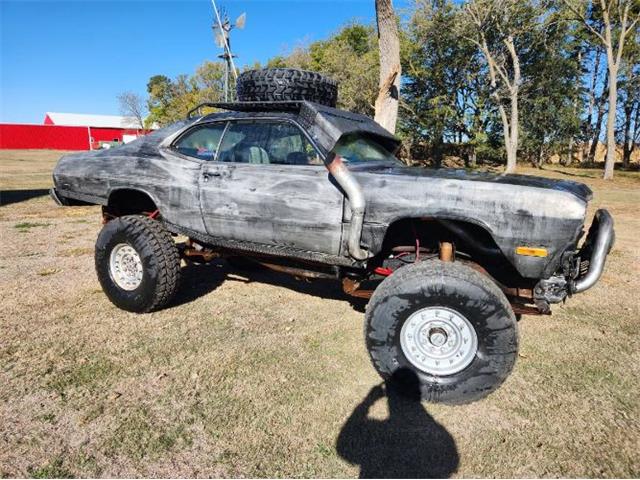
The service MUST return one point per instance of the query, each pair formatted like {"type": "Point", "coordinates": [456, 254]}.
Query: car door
{"type": "Point", "coordinates": [269, 185]}
{"type": "Point", "coordinates": [194, 148]}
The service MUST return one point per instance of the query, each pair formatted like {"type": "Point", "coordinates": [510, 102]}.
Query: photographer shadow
{"type": "Point", "coordinates": [408, 444]}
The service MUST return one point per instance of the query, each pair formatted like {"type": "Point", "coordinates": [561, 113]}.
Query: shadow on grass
{"type": "Point", "coordinates": [199, 280]}
{"type": "Point", "coordinates": [409, 444]}
{"type": "Point", "coordinates": [592, 170]}
{"type": "Point", "coordinates": [569, 174]}
{"type": "Point", "coordinates": [7, 197]}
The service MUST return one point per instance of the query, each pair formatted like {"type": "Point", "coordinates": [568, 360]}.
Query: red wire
{"type": "Point", "coordinates": [383, 271]}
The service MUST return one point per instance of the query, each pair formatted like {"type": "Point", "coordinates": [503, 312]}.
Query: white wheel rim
{"type": "Point", "coordinates": [125, 267]}
{"type": "Point", "coordinates": [438, 341]}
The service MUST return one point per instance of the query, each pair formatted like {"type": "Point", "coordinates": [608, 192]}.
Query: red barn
{"type": "Point", "coordinates": [71, 131]}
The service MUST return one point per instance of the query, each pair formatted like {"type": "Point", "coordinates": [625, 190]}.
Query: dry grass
{"type": "Point", "coordinates": [257, 376]}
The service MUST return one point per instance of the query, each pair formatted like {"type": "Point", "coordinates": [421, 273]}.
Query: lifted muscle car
{"type": "Point", "coordinates": [447, 258]}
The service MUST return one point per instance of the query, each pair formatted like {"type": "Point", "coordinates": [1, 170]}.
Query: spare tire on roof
{"type": "Point", "coordinates": [286, 84]}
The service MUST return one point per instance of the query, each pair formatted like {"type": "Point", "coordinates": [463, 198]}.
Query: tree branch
{"type": "Point", "coordinates": [580, 17]}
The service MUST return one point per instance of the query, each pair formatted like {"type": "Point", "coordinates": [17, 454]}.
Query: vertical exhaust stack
{"type": "Point", "coordinates": [356, 201]}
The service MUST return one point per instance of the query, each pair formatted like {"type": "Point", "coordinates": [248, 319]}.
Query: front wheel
{"type": "Point", "coordinates": [446, 324]}
{"type": "Point", "coordinates": [137, 263]}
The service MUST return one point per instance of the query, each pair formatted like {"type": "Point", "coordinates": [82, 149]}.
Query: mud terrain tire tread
{"type": "Point", "coordinates": [457, 286]}
{"type": "Point", "coordinates": [159, 255]}
{"type": "Point", "coordinates": [286, 84]}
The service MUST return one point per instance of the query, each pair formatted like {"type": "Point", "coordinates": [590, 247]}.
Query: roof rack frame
{"type": "Point", "coordinates": [283, 105]}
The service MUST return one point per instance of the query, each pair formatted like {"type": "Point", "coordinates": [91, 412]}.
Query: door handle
{"type": "Point", "coordinates": [206, 176]}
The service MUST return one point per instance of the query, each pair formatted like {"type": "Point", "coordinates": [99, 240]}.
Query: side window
{"type": "Point", "coordinates": [245, 142]}
{"type": "Point", "coordinates": [288, 146]}
{"type": "Point", "coordinates": [267, 142]}
{"type": "Point", "coordinates": [201, 142]}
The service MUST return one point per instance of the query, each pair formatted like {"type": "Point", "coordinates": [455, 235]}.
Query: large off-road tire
{"type": "Point", "coordinates": [285, 84]}
{"type": "Point", "coordinates": [137, 263]}
{"type": "Point", "coordinates": [446, 324]}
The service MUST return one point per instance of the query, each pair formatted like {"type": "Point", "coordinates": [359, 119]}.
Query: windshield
{"type": "Point", "coordinates": [356, 148]}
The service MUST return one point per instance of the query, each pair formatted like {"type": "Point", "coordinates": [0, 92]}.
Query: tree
{"type": "Point", "coordinates": [132, 105]}
{"type": "Point", "coordinates": [350, 56]}
{"type": "Point", "coordinates": [386, 106]}
{"type": "Point", "coordinates": [618, 19]}
{"type": "Point", "coordinates": [596, 108]}
{"type": "Point", "coordinates": [161, 94]}
{"type": "Point", "coordinates": [443, 87]}
{"type": "Point", "coordinates": [209, 80]}
{"type": "Point", "coordinates": [629, 133]}
{"type": "Point", "coordinates": [170, 100]}
{"type": "Point", "coordinates": [502, 33]}
{"type": "Point", "coordinates": [550, 90]}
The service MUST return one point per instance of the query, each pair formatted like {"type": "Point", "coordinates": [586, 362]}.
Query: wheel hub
{"type": "Point", "coordinates": [438, 340]}
{"type": "Point", "coordinates": [125, 267]}
{"type": "Point", "coordinates": [438, 336]}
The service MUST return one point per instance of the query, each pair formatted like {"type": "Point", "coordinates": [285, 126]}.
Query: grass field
{"type": "Point", "coordinates": [267, 376]}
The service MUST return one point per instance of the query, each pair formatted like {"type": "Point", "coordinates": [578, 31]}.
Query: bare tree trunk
{"type": "Point", "coordinates": [473, 157]}
{"type": "Point", "coordinates": [512, 148]}
{"type": "Point", "coordinates": [614, 59]}
{"type": "Point", "coordinates": [569, 158]}
{"type": "Point", "coordinates": [610, 160]}
{"type": "Point", "coordinates": [540, 159]}
{"type": "Point", "coordinates": [586, 147]}
{"type": "Point", "coordinates": [514, 86]}
{"type": "Point", "coordinates": [595, 140]}
{"type": "Point", "coordinates": [386, 106]}
{"type": "Point", "coordinates": [597, 127]}
{"type": "Point", "coordinates": [630, 136]}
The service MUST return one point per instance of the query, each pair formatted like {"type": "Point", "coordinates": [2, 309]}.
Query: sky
{"type": "Point", "coordinates": [76, 56]}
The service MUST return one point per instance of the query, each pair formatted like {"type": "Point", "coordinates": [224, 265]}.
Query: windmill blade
{"type": "Point", "coordinates": [219, 37]}
{"type": "Point", "coordinates": [242, 19]}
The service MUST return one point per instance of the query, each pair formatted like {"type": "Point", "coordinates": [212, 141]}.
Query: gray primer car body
{"type": "Point", "coordinates": [301, 211]}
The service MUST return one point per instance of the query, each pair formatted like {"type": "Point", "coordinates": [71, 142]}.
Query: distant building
{"type": "Point", "coordinates": [71, 131]}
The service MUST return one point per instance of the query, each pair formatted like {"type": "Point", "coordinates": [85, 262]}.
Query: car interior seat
{"type": "Point", "coordinates": [251, 154]}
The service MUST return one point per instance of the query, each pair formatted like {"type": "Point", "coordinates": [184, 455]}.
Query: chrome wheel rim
{"type": "Point", "coordinates": [438, 341]}
{"type": "Point", "coordinates": [125, 267]}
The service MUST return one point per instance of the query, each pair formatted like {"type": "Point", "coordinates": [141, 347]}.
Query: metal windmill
{"type": "Point", "coordinates": [221, 31]}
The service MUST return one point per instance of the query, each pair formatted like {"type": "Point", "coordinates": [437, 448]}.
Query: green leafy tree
{"type": "Point", "coordinates": [170, 100]}
{"type": "Point", "coordinates": [505, 31]}
{"type": "Point", "coordinates": [612, 24]}
{"type": "Point", "coordinates": [444, 91]}
{"type": "Point", "coordinates": [628, 133]}
{"type": "Point", "coordinates": [350, 57]}
{"type": "Point", "coordinates": [550, 91]}
{"type": "Point", "coordinates": [160, 90]}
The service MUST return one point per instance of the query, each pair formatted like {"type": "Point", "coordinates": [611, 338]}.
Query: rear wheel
{"type": "Point", "coordinates": [446, 324]}
{"type": "Point", "coordinates": [137, 263]}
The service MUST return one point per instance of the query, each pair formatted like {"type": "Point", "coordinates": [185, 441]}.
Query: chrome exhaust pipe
{"type": "Point", "coordinates": [599, 240]}
{"type": "Point", "coordinates": [357, 203]}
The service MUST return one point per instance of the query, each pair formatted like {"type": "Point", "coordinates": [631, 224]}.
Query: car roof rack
{"type": "Point", "coordinates": [285, 105]}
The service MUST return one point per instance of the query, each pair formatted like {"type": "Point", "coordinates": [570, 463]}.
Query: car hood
{"type": "Point", "coordinates": [577, 189]}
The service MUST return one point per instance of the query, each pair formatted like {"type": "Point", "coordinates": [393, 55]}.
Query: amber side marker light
{"type": "Point", "coordinates": [532, 251]}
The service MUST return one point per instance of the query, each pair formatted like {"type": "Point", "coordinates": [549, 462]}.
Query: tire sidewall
{"type": "Point", "coordinates": [492, 320]}
{"type": "Point", "coordinates": [138, 300]}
